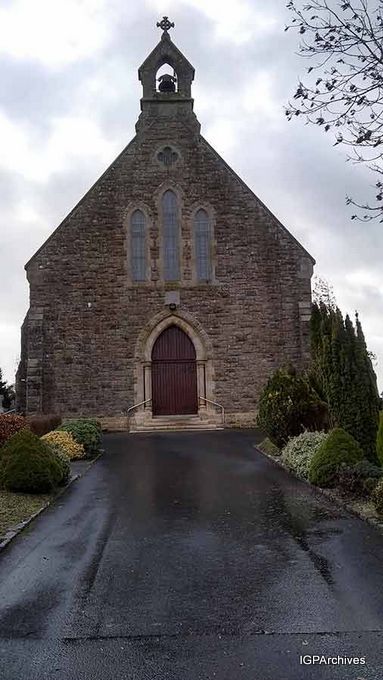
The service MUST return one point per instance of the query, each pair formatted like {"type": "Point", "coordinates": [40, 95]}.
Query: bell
{"type": "Point", "coordinates": [167, 83]}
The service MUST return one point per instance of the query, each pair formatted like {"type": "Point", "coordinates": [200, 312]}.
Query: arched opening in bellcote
{"type": "Point", "coordinates": [166, 78]}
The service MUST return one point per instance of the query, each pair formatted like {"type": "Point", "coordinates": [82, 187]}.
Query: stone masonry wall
{"type": "Point", "coordinates": [85, 313]}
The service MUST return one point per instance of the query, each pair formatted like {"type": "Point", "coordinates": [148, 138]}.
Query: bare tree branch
{"type": "Point", "coordinates": [344, 87]}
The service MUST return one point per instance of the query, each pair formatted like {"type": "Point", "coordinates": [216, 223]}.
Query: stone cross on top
{"type": "Point", "coordinates": [165, 24]}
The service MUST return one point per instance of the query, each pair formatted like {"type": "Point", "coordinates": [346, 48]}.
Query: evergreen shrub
{"type": "Point", "coordinates": [339, 448]}
{"type": "Point", "coordinates": [64, 462]}
{"type": "Point", "coordinates": [66, 442]}
{"type": "Point", "coordinates": [342, 369]}
{"type": "Point", "coordinates": [358, 480]}
{"type": "Point", "coordinates": [85, 432]}
{"type": "Point", "coordinates": [299, 451]}
{"type": "Point", "coordinates": [288, 405]}
{"type": "Point", "coordinates": [10, 423]}
{"type": "Point", "coordinates": [94, 422]}
{"type": "Point", "coordinates": [377, 497]}
{"type": "Point", "coordinates": [379, 440]}
{"type": "Point", "coordinates": [27, 464]}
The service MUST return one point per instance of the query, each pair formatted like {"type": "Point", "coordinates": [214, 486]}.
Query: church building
{"type": "Point", "coordinates": [170, 293]}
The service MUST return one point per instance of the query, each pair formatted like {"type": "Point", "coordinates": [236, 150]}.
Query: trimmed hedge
{"type": "Point", "coordinates": [339, 448]}
{"type": "Point", "coordinates": [42, 424]}
{"type": "Point", "coordinates": [379, 439]}
{"type": "Point", "coordinates": [27, 464]}
{"type": "Point", "coordinates": [85, 432]}
{"type": "Point", "coordinates": [299, 451]}
{"type": "Point", "coordinates": [66, 442]}
{"type": "Point", "coordinates": [9, 425]}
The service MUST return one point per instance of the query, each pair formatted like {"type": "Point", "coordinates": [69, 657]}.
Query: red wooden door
{"type": "Point", "coordinates": [174, 374]}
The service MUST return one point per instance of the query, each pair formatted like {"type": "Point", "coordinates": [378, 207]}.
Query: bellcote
{"type": "Point", "coordinates": [168, 94]}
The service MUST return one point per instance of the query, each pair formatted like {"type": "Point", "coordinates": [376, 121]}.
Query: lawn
{"type": "Point", "coordinates": [18, 507]}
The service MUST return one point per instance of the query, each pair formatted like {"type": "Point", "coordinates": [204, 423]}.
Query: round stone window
{"type": "Point", "coordinates": [167, 156]}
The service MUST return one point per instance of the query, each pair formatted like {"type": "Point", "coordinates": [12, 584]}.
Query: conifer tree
{"type": "Point", "coordinates": [338, 364]}
{"type": "Point", "coordinates": [343, 373]}
{"type": "Point", "coordinates": [368, 416]}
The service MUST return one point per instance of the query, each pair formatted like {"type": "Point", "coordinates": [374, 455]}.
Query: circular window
{"type": "Point", "coordinates": [167, 156]}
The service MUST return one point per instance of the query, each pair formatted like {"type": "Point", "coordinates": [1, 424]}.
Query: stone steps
{"type": "Point", "coordinates": [175, 424]}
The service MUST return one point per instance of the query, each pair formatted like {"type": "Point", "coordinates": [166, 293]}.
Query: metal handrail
{"type": "Point", "coordinates": [137, 405]}
{"type": "Point", "coordinates": [209, 401]}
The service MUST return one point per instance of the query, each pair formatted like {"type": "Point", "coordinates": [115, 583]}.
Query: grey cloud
{"type": "Point", "coordinates": [31, 94]}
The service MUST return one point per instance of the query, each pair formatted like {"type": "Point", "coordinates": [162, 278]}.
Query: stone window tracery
{"type": "Point", "coordinates": [167, 156]}
{"type": "Point", "coordinates": [170, 221]}
{"type": "Point", "coordinates": [202, 238]}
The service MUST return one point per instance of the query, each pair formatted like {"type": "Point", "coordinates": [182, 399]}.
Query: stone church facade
{"type": "Point", "coordinates": [170, 292]}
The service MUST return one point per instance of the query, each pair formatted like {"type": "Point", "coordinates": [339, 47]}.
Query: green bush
{"type": "Point", "coordinates": [288, 405]}
{"type": "Point", "coordinates": [299, 451]}
{"type": "Point", "coordinates": [338, 448]}
{"type": "Point", "coordinates": [94, 422]}
{"type": "Point", "coordinates": [64, 461]}
{"type": "Point", "coordinates": [377, 497]}
{"type": "Point", "coordinates": [358, 480]}
{"type": "Point", "coordinates": [85, 432]}
{"type": "Point", "coordinates": [27, 464]}
{"type": "Point", "coordinates": [379, 440]}
{"type": "Point", "coordinates": [268, 447]}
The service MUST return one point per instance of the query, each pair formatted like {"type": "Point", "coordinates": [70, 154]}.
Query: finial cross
{"type": "Point", "coordinates": [165, 24]}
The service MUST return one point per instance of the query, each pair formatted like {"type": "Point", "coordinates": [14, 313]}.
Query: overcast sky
{"type": "Point", "coordinates": [69, 99]}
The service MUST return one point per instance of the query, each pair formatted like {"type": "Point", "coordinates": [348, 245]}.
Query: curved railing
{"type": "Point", "coordinates": [215, 403]}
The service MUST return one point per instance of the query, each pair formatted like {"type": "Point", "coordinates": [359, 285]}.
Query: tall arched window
{"type": "Point", "coordinates": [202, 245]}
{"type": "Point", "coordinates": [170, 236]}
{"type": "Point", "coordinates": [138, 245]}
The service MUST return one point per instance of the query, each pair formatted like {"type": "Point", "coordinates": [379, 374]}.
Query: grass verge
{"type": "Point", "coordinates": [18, 507]}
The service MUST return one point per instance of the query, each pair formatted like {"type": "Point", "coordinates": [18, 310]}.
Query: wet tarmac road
{"type": "Point", "coordinates": [190, 557]}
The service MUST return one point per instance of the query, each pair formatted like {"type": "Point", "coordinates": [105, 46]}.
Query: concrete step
{"type": "Point", "coordinates": [202, 428]}
{"type": "Point", "coordinates": [174, 423]}
{"type": "Point", "coordinates": [179, 416]}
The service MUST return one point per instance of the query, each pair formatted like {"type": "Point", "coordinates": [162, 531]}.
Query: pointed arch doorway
{"type": "Point", "coordinates": [174, 374]}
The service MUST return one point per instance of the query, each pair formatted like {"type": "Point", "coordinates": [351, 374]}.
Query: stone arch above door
{"type": "Point", "coordinates": [193, 330]}
{"type": "Point", "coordinates": [143, 361]}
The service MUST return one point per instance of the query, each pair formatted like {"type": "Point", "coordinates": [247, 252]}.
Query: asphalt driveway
{"type": "Point", "coordinates": [190, 557]}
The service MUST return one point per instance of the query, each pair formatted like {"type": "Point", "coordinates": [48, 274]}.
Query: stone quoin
{"type": "Point", "coordinates": [170, 283]}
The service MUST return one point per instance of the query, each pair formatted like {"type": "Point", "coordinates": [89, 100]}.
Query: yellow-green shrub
{"type": "Point", "coordinates": [86, 432]}
{"type": "Point", "coordinates": [66, 442]}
